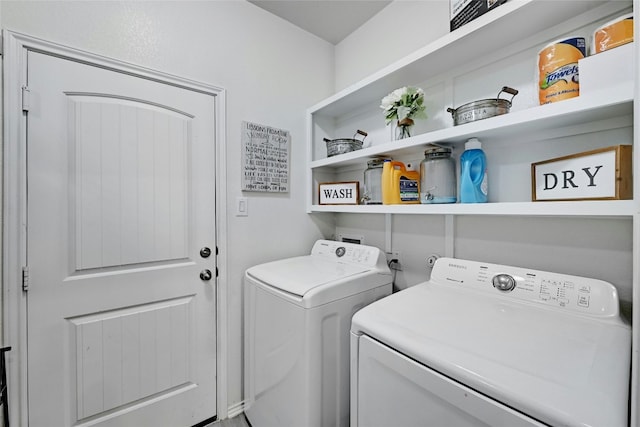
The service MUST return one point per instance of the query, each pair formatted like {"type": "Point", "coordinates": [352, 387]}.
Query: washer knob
{"type": "Point", "coordinates": [340, 251]}
{"type": "Point", "coordinates": [504, 282]}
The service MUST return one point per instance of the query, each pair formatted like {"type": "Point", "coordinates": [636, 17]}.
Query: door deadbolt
{"type": "Point", "coordinates": [206, 274]}
{"type": "Point", "coordinates": [205, 252]}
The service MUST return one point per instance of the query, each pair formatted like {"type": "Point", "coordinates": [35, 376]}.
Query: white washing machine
{"type": "Point", "coordinates": [297, 318]}
{"type": "Point", "coordinates": [491, 345]}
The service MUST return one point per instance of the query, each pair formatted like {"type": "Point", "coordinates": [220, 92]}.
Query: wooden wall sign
{"type": "Point", "coordinates": [339, 193]}
{"type": "Point", "coordinates": [603, 174]}
{"type": "Point", "coordinates": [265, 158]}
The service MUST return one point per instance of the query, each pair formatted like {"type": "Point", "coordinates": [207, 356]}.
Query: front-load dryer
{"type": "Point", "coordinates": [297, 318]}
{"type": "Point", "coordinates": [490, 345]}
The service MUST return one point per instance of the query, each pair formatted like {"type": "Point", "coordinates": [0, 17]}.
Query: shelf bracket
{"type": "Point", "coordinates": [449, 235]}
{"type": "Point", "coordinates": [388, 244]}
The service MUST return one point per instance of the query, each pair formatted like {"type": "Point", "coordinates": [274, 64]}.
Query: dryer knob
{"type": "Point", "coordinates": [504, 282]}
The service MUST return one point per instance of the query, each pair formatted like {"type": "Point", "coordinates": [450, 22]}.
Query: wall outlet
{"type": "Point", "coordinates": [395, 265]}
{"type": "Point", "coordinates": [392, 255]}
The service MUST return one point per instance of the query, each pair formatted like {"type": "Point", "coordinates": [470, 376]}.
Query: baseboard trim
{"type": "Point", "coordinates": [235, 410]}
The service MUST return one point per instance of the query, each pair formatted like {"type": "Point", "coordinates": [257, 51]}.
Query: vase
{"type": "Point", "coordinates": [403, 128]}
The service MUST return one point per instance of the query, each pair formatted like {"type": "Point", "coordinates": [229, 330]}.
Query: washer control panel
{"type": "Point", "coordinates": [351, 253]}
{"type": "Point", "coordinates": [561, 291]}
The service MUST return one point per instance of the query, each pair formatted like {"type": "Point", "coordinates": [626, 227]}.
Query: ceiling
{"type": "Point", "coordinates": [331, 20]}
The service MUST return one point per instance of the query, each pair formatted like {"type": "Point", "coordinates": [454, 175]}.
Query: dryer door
{"type": "Point", "coordinates": [391, 389]}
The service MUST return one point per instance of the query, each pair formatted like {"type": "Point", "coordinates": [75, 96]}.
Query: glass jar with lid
{"type": "Point", "coordinates": [438, 176]}
{"type": "Point", "coordinates": [372, 194]}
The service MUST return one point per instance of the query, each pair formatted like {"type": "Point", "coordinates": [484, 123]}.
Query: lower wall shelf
{"type": "Point", "coordinates": [613, 208]}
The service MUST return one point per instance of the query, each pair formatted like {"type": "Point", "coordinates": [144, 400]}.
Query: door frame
{"type": "Point", "coordinates": [14, 208]}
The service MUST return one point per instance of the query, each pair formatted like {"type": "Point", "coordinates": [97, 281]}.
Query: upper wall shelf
{"type": "Point", "coordinates": [474, 40]}
{"type": "Point", "coordinates": [537, 123]}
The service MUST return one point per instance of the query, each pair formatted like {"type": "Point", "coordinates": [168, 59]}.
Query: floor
{"type": "Point", "coordinates": [237, 421]}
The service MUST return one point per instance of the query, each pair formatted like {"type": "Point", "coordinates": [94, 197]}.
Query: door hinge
{"type": "Point", "coordinates": [25, 278]}
{"type": "Point", "coordinates": [26, 98]}
{"type": "Point", "coordinates": [217, 274]}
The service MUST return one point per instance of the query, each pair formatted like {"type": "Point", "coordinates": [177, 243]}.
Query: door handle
{"type": "Point", "coordinates": [206, 274]}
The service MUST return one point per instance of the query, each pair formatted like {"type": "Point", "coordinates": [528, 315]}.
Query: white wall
{"type": "Point", "coordinates": [393, 33]}
{"type": "Point", "coordinates": [272, 72]}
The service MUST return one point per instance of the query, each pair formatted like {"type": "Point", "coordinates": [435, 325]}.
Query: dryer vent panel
{"type": "Point", "coordinates": [351, 238]}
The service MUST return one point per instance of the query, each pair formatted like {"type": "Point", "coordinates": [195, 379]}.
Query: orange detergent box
{"type": "Point", "coordinates": [558, 76]}
{"type": "Point", "coordinates": [613, 34]}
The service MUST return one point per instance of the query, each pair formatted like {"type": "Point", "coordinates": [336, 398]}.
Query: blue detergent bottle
{"type": "Point", "coordinates": [473, 173]}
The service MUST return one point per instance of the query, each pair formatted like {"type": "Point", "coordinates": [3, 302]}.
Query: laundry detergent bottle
{"type": "Point", "coordinates": [399, 185]}
{"type": "Point", "coordinates": [473, 173]}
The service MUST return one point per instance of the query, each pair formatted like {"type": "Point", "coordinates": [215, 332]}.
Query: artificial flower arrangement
{"type": "Point", "coordinates": [404, 104]}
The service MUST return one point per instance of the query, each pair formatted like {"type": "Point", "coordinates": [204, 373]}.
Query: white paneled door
{"type": "Point", "coordinates": [121, 303]}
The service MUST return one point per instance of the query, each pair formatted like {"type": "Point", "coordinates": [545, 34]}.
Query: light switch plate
{"type": "Point", "coordinates": [242, 206]}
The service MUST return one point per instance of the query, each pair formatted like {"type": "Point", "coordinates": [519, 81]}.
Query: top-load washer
{"type": "Point", "coordinates": [297, 318]}
{"type": "Point", "coordinates": [490, 345]}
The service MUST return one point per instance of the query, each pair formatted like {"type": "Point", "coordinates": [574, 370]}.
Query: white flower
{"type": "Point", "coordinates": [392, 98]}
{"type": "Point", "coordinates": [399, 92]}
{"type": "Point", "coordinates": [402, 103]}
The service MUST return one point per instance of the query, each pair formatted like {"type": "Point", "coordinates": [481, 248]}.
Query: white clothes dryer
{"type": "Point", "coordinates": [297, 318]}
{"type": "Point", "coordinates": [490, 345]}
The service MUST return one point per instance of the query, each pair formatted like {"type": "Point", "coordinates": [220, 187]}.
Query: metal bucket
{"type": "Point", "coordinates": [483, 108]}
{"type": "Point", "coordinates": [345, 145]}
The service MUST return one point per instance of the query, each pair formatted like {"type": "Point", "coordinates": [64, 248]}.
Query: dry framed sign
{"type": "Point", "coordinates": [265, 158]}
{"type": "Point", "coordinates": [339, 193]}
{"type": "Point", "coordinates": [602, 174]}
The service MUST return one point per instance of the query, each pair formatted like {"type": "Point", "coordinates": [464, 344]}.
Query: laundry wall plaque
{"type": "Point", "coordinates": [603, 174]}
{"type": "Point", "coordinates": [265, 158]}
{"type": "Point", "coordinates": [339, 193]}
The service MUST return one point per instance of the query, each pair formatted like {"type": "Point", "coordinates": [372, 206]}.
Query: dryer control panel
{"type": "Point", "coordinates": [351, 253]}
{"type": "Point", "coordinates": [565, 292]}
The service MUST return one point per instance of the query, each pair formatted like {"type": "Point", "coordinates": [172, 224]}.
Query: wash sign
{"type": "Point", "coordinates": [339, 193]}
{"type": "Point", "coordinates": [594, 175]}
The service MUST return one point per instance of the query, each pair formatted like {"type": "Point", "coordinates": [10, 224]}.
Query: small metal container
{"type": "Point", "coordinates": [345, 145]}
{"type": "Point", "coordinates": [483, 108]}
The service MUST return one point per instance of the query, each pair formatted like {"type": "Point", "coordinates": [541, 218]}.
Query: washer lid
{"type": "Point", "coordinates": [301, 274]}
{"type": "Point", "coordinates": [559, 368]}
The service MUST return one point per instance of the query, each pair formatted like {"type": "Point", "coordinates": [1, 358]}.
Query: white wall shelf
{"type": "Point", "coordinates": [491, 32]}
{"type": "Point", "coordinates": [596, 208]}
{"type": "Point", "coordinates": [538, 123]}
{"type": "Point", "coordinates": [605, 109]}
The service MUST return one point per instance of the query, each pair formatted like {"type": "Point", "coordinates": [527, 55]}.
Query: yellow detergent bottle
{"type": "Point", "coordinates": [399, 185]}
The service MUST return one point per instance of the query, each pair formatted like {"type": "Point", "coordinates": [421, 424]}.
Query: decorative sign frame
{"type": "Point", "coordinates": [339, 193]}
{"type": "Point", "coordinates": [603, 174]}
{"type": "Point", "coordinates": [265, 158]}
